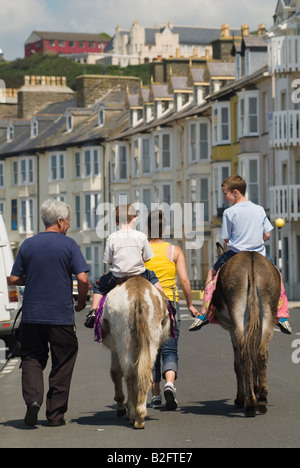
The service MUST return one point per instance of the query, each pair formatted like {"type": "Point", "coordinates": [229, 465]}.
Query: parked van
{"type": "Point", "coordinates": [10, 298]}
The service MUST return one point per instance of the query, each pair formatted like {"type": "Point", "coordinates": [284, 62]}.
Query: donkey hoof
{"type": "Point", "coordinates": [138, 425]}
{"type": "Point", "coordinates": [239, 404]}
{"type": "Point", "coordinates": [250, 412]}
{"type": "Point", "coordinates": [121, 412]}
{"type": "Point", "coordinates": [262, 407]}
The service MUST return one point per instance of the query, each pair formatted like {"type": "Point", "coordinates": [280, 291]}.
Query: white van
{"type": "Point", "coordinates": [10, 299]}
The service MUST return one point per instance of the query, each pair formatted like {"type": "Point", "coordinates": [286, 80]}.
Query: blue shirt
{"type": "Point", "coordinates": [244, 224]}
{"type": "Point", "coordinates": [48, 260]}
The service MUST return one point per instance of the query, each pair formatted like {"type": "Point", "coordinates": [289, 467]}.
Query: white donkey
{"type": "Point", "coordinates": [135, 323]}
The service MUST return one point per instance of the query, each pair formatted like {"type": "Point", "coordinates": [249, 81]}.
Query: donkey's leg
{"type": "Point", "coordinates": [240, 396]}
{"type": "Point", "coordinates": [116, 375]}
{"type": "Point", "coordinates": [132, 391]}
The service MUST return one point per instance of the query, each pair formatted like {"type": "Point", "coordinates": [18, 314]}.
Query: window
{"type": "Point", "coordinates": [26, 216]}
{"type": "Point", "coordinates": [146, 156]}
{"type": "Point", "coordinates": [199, 193]}
{"type": "Point", "coordinates": [119, 163]}
{"type": "Point", "coordinates": [25, 171]}
{"type": "Point", "coordinates": [14, 215]}
{"type": "Point", "coordinates": [199, 141]}
{"type": "Point", "coordinates": [1, 174]}
{"type": "Point", "coordinates": [77, 165]}
{"type": "Point", "coordinates": [91, 163]}
{"type": "Point", "coordinates": [248, 169]}
{"type": "Point", "coordinates": [136, 158]}
{"type": "Point", "coordinates": [248, 113]}
{"type": "Point", "coordinates": [69, 122]}
{"type": "Point", "coordinates": [220, 173]}
{"type": "Point", "coordinates": [57, 167]}
{"type": "Point", "coordinates": [221, 124]}
{"type": "Point", "coordinates": [77, 212]}
{"type": "Point", "coordinates": [33, 127]}
{"type": "Point", "coordinates": [162, 151]}
{"type": "Point", "coordinates": [91, 202]}
{"type": "Point", "coordinates": [92, 256]}
{"type": "Point", "coordinates": [15, 172]}
{"type": "Point", "coordinates": [10, 133]}
{"type": "Point", "coordinates": [101, 116]}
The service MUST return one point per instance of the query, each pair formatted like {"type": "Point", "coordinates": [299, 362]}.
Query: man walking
{"type": "Point", "coordinates": [45, 264]}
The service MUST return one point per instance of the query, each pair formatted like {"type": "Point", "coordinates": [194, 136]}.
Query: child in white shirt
{"type": "Point", "coordinates": [126, 252]}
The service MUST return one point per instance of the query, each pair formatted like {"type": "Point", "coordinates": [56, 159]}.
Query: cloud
{"type": "Point", "coordinates": [18, 18]}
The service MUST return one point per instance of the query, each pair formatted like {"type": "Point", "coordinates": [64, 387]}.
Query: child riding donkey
{"type": "Point", "coordinates": [245, 226]}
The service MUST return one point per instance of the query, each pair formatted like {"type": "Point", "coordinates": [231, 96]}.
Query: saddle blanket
{"type": "Point", "coordinates": [98, 316]}
{"type": "Point", "coordinates": [283, 310]}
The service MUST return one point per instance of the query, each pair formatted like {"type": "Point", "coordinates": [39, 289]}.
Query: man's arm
{"type": "Point", "coordinates": [83, 288]}
{"type": "Point", "coordinates": [15, 280]}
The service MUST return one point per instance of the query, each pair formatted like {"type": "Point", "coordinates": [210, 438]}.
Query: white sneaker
{"type": "Point", "coordinates": [170, 396]}
{"type": "Point", "coordinates": [156, 401]}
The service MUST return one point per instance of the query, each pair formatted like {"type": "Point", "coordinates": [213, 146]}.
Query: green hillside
{"type": "Point", "coordinates": [52, 65]}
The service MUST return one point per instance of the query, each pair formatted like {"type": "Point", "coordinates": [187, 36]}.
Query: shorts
{"type": "Point", "coordinates": [223, 259]}
{"type": "Point", "coordinates": [107, 282]}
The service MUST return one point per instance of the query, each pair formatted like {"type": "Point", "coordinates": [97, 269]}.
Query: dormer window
{"type": "Point", "coordinates": [34, 127]}
{"type": "Point", "coordinates": [69, 122]}
{"type": "Point", "coordinates": [101, 116]}
{"type": "Point", "coordinates": [10, 133]}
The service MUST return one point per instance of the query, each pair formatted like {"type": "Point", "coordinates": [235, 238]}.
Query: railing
{"type": "Point", "coordinates": [285, 202]}
{"type": "Point", "coordinates": [286, 128]}
{"type": "Point", "coordinates": [284, 53]}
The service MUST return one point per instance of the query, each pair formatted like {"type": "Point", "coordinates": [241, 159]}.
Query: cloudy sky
{"type": "Point", "coordinates": [18, 18]}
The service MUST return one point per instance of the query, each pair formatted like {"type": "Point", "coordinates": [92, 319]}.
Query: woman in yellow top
{"type": "Point", "coordinates": [168, 261]}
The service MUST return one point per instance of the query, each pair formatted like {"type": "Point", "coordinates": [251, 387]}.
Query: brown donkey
{"type": "Point", "coordinates": [246, 300]}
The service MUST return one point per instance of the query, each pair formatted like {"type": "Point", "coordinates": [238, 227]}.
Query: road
{"type": "Point", "coordinates": [206, 390]}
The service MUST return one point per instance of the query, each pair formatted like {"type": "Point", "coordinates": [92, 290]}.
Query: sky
{"type": "Point", "coordinates": [18, 18]}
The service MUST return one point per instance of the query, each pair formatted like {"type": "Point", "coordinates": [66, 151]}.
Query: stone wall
{"type": "Point", "coordinates": [91, 88]}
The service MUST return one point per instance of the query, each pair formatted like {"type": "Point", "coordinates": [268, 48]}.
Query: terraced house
{"type": "Point", "coordinates": [170, 143]}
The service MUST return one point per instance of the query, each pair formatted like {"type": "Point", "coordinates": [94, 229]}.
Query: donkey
{"type": "Point", "coordinates": [246, 301]}
{"type": "Point", "coordinates": [135, 323]}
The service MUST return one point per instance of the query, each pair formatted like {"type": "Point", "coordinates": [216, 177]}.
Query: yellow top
{"type": "Point", "coordinates": [164, 269]}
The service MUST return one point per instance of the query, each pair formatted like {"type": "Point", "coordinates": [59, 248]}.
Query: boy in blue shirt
{"type": "Point", "coordinates": [245, 227]}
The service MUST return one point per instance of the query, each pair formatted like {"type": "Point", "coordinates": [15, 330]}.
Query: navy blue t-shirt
{"type": "Point", "coordinates": [48, 260]}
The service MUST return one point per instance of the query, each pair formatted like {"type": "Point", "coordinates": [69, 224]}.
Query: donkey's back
{"type": "Point", "coordinates": [246, 298]}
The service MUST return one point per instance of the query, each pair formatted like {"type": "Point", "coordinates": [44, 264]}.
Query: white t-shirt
{"type": "Point", "coordinates": [244, 224]}
{"type": "Point", "coordinates": [127, 252]}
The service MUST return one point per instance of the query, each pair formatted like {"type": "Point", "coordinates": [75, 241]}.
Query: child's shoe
{"type": "Point", "coordinates": [199, 322]}
{"type": "Point", "coordinates": [284, 326]}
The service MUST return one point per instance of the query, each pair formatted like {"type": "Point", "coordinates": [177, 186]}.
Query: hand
{"type": "Point", "coordinates": [80, 306]}
{"type": "Point", "coordinates": [194, 312]}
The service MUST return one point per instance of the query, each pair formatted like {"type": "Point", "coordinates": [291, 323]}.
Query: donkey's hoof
{"type": "Point", "coordinates": [121, 412]}
{"type": "Point", "coordinates": [138, 425]}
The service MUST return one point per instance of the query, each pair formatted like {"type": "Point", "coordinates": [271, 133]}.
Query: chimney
{"type": "Point", "coordinates": [261, 29]}
{"type": "Point", "coordinates": [245, 30]}
{"type": "Point", "coordinates": [225, 31]}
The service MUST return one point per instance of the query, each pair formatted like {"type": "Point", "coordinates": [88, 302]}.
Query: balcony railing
{"type": "Point", "coordinates": [286, 128]}
{"type": "Point", "coordinates": [284, 53]}
{"type": "Point", "coordinates": [285, 202]}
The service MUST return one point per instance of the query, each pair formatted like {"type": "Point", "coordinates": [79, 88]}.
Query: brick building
{"type": "Point", "coordinates": [64, 43]}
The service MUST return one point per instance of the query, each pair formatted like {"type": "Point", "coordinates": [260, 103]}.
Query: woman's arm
{"type": "Point", "coordinates": [184, 279]}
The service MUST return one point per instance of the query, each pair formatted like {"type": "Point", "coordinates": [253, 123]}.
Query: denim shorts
{"type": "Point", "coordinates": [223, 259]}
{"type": "Point", "coordinates": [107, 282]}
{"type": "Point", "coordinates": [167, 357]}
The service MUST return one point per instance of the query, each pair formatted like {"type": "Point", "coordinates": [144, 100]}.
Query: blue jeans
{"type": "Point", "coordinates": [107, 282]}
{"type": "Point", "coordinates": [167, 356]}
{"type": "Point", "coordinates": [223, 259]}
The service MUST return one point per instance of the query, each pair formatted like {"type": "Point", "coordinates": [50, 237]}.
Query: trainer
{"type": "Point", "coordinates": [45, 264]}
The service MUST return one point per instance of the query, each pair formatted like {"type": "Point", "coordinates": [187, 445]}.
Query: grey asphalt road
{"type": "Point", "coordinates": [205, 418]}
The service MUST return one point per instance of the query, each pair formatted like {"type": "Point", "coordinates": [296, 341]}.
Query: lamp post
{"type": "Point", "coordinates": [279, 222]}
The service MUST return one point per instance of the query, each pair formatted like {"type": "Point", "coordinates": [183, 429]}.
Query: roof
{"type": "Point", "coordinates": [65, 36]}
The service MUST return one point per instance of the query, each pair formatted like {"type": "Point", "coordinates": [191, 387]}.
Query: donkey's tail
{"type": "Point", "coordinates": [252, 335]}
{"type": "Point", "coordinates": [143, 363]}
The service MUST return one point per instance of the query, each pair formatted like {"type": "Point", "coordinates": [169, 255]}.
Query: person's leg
{"type": "Point", "coordinates": [64, 348]}
{"type": "Point", "coordinates": [34, 354]}
{"type": "Point", "coordinates": [156, 401]}
{"type": "Point", "coordinates": [169, 352]}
